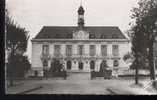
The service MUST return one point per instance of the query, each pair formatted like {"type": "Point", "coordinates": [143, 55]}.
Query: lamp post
{"type": "Point", "coordinates": [155, 53]}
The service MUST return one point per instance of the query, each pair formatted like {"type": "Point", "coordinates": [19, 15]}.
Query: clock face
{"type": "Point", "coordinates": [81, 35]}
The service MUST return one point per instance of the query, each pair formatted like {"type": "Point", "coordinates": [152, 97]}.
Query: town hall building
{"type": "Point", "coordinates": [80, 48]}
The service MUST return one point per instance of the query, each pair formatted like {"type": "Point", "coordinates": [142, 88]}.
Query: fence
{"type": "Point", "coordinates": [128, 71]}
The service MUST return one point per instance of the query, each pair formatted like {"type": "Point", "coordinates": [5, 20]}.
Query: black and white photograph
{"type": "Point", "coordinates": [81, 47]}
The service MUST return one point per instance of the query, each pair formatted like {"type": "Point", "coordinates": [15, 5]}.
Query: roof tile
{"type": "Point", "coordinates": [65, 32]}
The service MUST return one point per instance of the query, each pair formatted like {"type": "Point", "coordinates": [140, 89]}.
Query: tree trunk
{"type": "Point", "coordinates": [151, 61]}
{"type": "Point", "coordinates": [11, 76]}
{"type": "Point", "coordinates": [136, 75]}
{"type": "Point", "coordinates": [136, 71]}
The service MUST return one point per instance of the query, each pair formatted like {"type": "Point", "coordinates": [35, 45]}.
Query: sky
{"type": "Point", "coordinates": [34, 14]}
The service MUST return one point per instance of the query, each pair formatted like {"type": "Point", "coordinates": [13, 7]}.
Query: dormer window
{"type": "Point", "coordinates": [47, 36]}
{"type": "Point", "coordinates": [56, 36]}
{"type": "Point", "coordinates": [103, 36]}
{"type": "Point", "coordinates": [69, 36]}
{"type": "Point", "coordinates": [92, 36]}
{"type": "Point", "coordinates": [45, 63]}
{"type": "Point", "coordinates": [114, 36]}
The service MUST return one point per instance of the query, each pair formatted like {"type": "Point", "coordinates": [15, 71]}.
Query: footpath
{"type": "Point", "coordinates": [82, 82]}
{"type": "Point", "coordinates": [123, 88]}
{"type": "Point", "coordinates": [22, 88]}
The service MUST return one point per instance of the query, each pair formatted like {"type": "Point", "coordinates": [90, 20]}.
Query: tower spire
{"type": "Point", "coordinates": [81, 16]}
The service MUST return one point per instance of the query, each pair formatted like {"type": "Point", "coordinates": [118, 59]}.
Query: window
{"type": "Point", "coordinates": [80, 49]}
{"type": "Point", "coordinates": [69, 50]}
{"type": "Point", "coordinates": [68, 65]}
{"type": "Point", "coordinates": [115, 63]}
{"type": "Point", "coordinates": [104, 50]}
{"type": "Point", "coordinates": [92, 65]}
{"type": "Point", "coordinates": [115, 50]}
{"type": "Point", "coordinates": [45, 49]}
{"type": "Point", "coordinates": [45, 63]}
{"type": "Point", "coordinates": [103, 36]}
{"type": "Point", "coordinates": [57, 50]}
{"type": "Point", "coordinates": [92, 36]}
{"type": "Point", "coordinates": [114, 36]}
{"type": "Point", "coordinates": [69, 36]}
{"type": "Point", "coordinates": [92, 50]}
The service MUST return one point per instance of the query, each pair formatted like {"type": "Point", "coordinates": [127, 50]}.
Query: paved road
{"type": "Point", "coordinates": [76, 83]}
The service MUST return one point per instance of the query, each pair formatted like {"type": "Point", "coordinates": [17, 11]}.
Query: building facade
{"type": "Point", "coordinates": [79, 48]}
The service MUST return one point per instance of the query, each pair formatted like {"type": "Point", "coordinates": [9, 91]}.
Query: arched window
{"type": "Point", "coordinates": [45, 63]}
{"type": "Point", "coordinates": [68, 65]}
{"type": "Point", "coordinates": [92, 65]}
{"type": "Point", "coordinates": [115, 63]}
{"type": "Point", "coordinates": [80, 65]}
{"type": "Point", "coordinates": [103, 65]}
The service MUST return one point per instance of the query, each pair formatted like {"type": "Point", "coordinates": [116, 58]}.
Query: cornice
{"type": "Point", "coordinates": [80, 40]}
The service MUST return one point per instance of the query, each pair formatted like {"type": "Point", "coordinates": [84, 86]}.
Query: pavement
{"type": "Point", "coordinates": [80, 83]}
{"type": "Point", "coordinates": [22, 87]}
{"type": "Point", "coordinates": [130, 89]}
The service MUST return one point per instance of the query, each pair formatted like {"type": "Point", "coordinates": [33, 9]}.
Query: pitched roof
{"type": "Point", "coordinates": [65, 32]}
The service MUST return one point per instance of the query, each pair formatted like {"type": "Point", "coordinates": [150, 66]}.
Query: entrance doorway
{"type": "Point", "coordinates": [69, 65]}
{"type": "Point", "coordinates": [80, 66]}
{"type": "Point", "coordinates": [92, 65]}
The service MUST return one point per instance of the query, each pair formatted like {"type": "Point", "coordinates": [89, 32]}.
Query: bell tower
{"type": "Point", "coordinates": [81, 33]}
{"type": "Point", "coordinates": [80, 16]}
